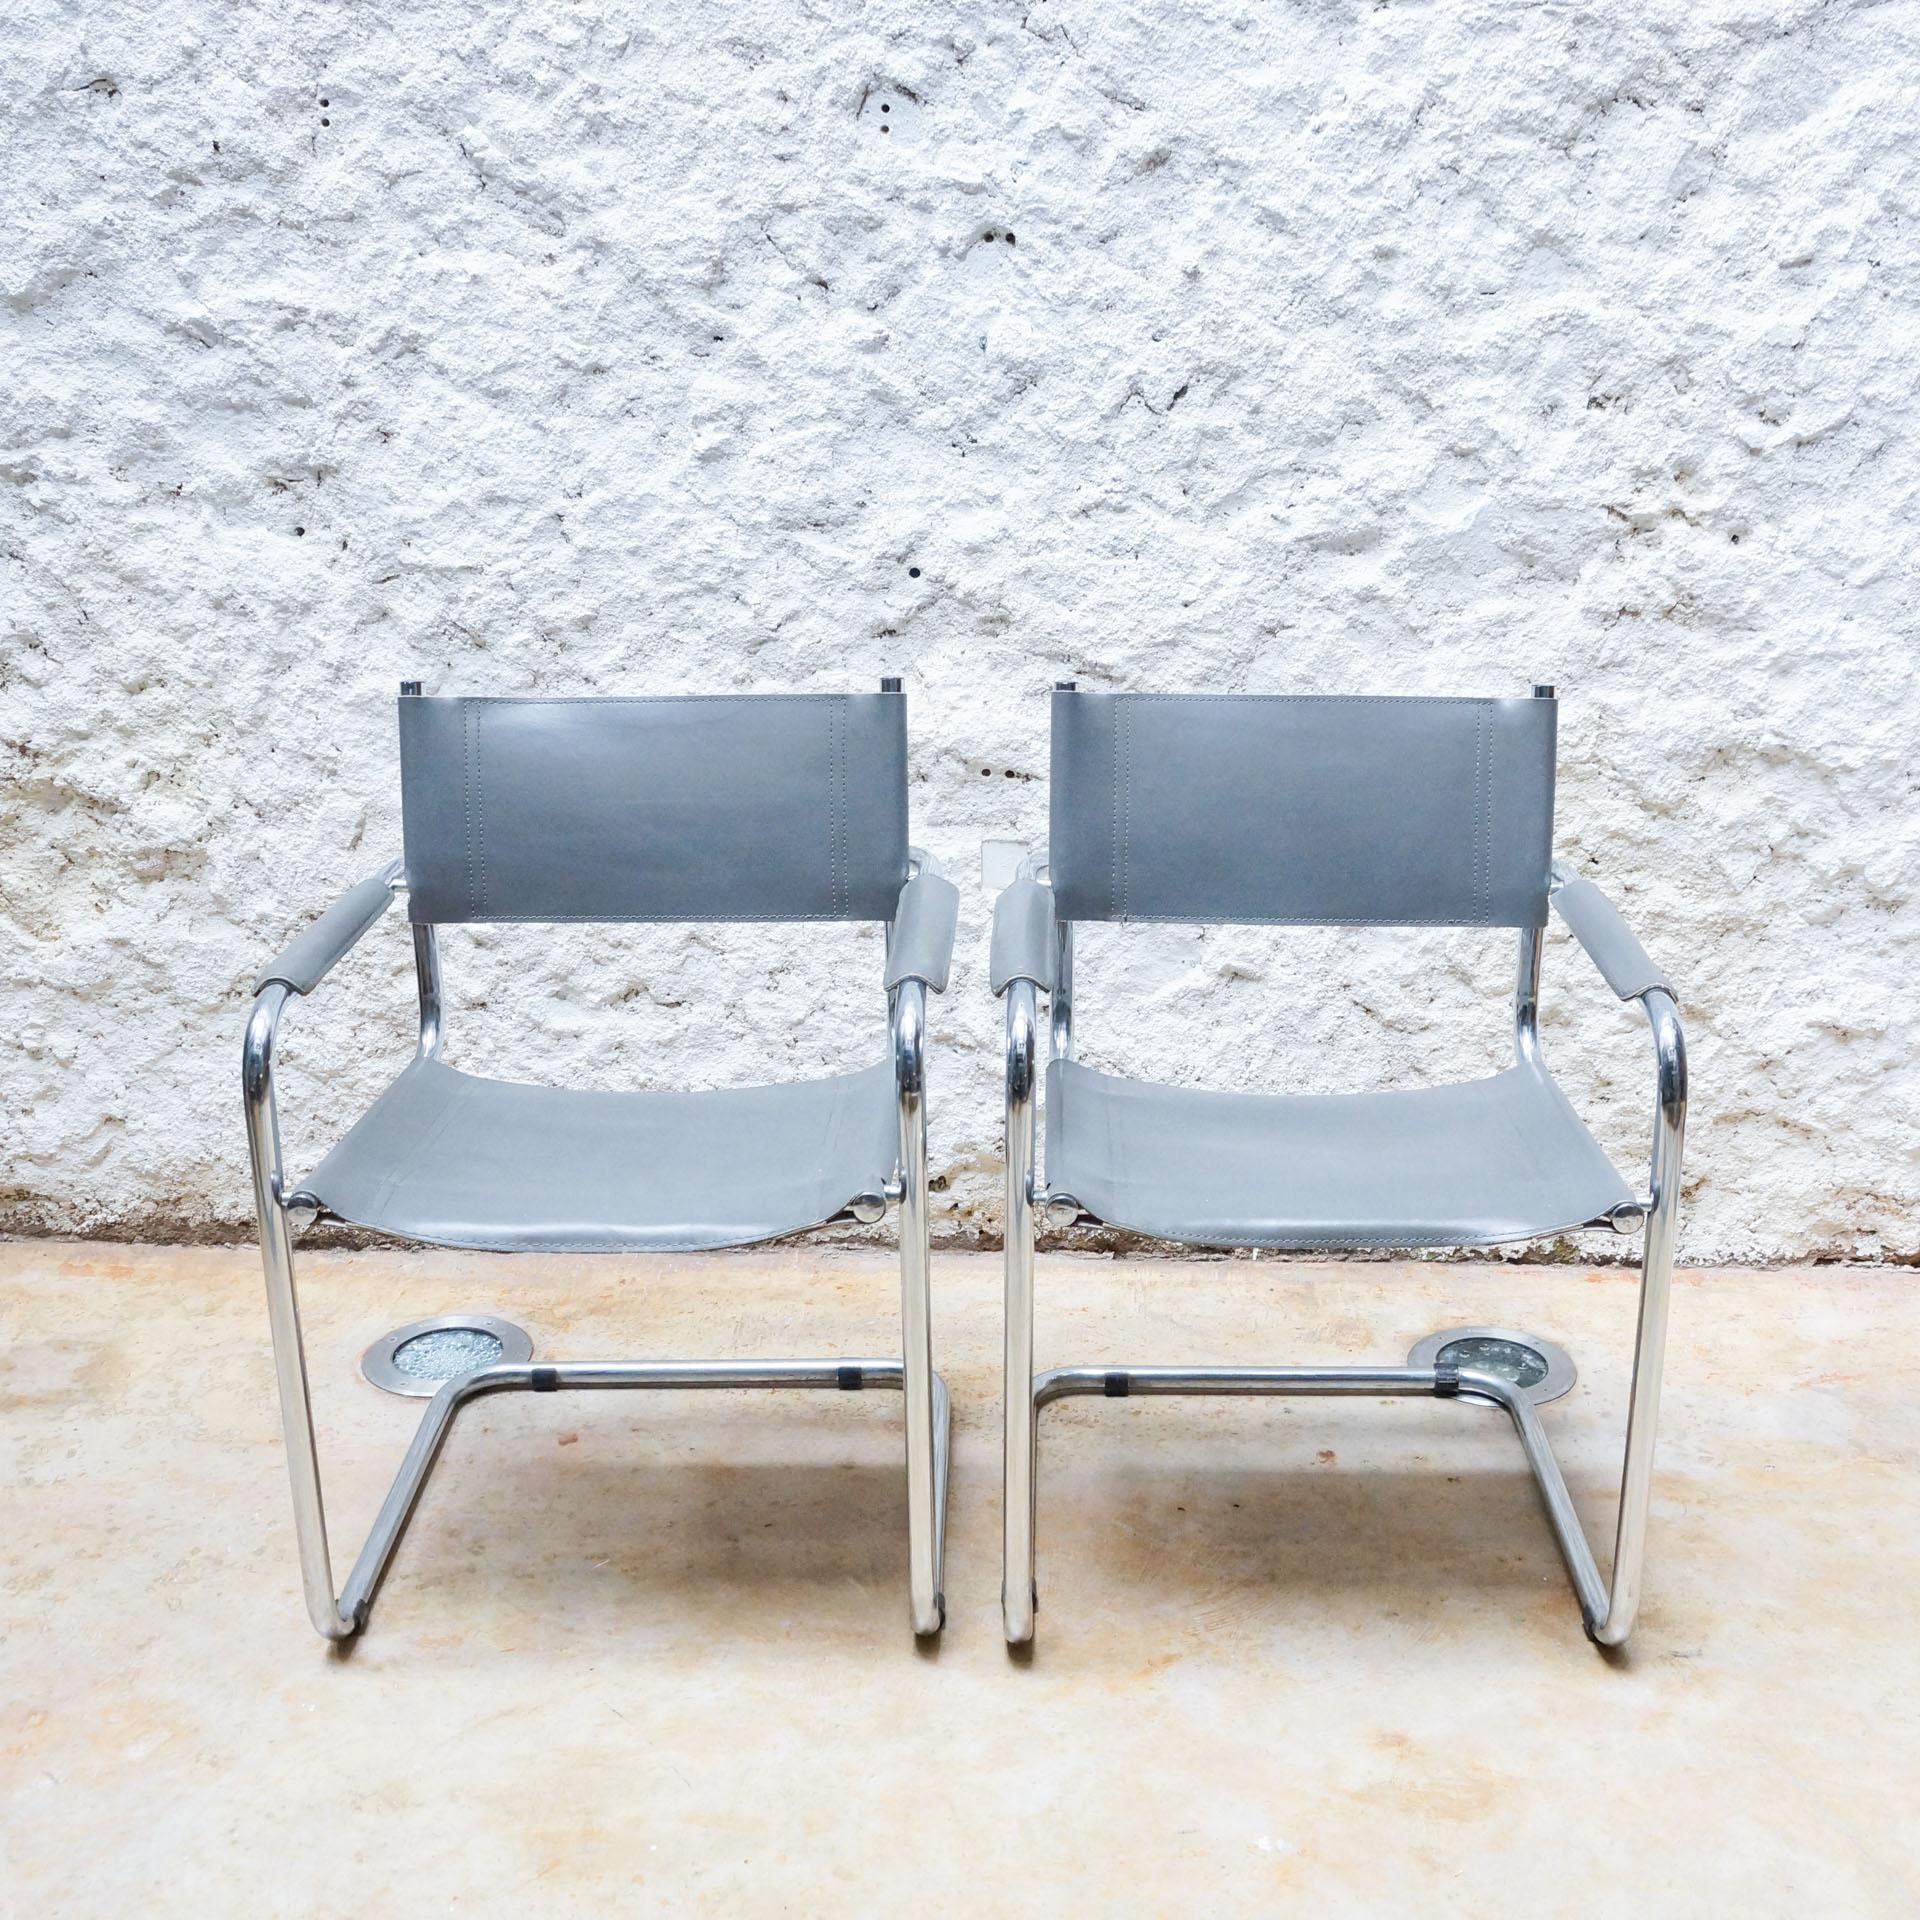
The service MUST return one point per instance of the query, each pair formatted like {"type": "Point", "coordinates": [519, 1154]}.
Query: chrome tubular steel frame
{"type": "Point", "coordinates": [1608, 1605]}
{"type": "Point", "coordinates": [927, 1407]}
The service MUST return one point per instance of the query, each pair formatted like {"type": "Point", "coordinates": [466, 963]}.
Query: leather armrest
{"type": "Point", "coordinates": [1594, 921]}
{"type": "Point", "coordinates": [921, 944]}
{"type": "Point", "coordinates": [314, 951]}
{"type": "Point", "coordinates": [1023, 936]}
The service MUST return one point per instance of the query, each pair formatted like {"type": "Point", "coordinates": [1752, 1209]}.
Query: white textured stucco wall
{"type": "Point", "coordinates": [1294, 347]}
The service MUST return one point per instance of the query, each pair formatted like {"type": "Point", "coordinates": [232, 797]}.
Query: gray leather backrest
{"type": "Point", "coordinates": [737, 807]}
{"type": "Point", "coordinates": [1319, 810]}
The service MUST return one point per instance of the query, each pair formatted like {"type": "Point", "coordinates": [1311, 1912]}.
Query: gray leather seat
{"type": "Point", "coordinates": [1504, 1158]}
{"type": "Point", "coordinates": [460, 1161]}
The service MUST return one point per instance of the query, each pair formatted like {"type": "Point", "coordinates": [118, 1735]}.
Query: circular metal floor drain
{"type": "Point", "coordinates": [1537, 1367]}
{"type": "Point", "coordinates": [420, 1358]}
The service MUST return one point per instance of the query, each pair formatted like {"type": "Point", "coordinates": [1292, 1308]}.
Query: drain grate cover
{"type": "Point", "coordinates": [1540, 1369]}
{"type": "Point", "coordinates": [420, 1358]}
{"type": "Point", "coordinates": [440, 1355]}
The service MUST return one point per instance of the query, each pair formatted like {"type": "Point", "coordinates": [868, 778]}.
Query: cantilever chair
{"type": "Point", "coordinates": [1325, 812]}
{"type": "Point", "coordinates": [779, 807]}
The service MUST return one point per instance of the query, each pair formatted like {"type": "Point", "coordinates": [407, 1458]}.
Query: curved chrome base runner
{"type": "Point", "coordinates": [1468, 1385]}
{"type": "Point", "coordinates": [846, 1376]}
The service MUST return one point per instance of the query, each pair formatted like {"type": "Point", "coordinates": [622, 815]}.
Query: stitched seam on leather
{"type": "Point", "coordinates": [837, 735]}
{"type": "Point", "coordinates": [1113, 825]}
{"type": "Point", "coordinates": [1484, 780]}
{"type": "Point", "coordinates": [480, 814]}
{"type": "Point", "coordinates": [472, 724]}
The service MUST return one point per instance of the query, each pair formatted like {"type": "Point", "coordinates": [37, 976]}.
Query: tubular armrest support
{"type": "Point", "coordinates": [920, 946]}
{"type": "Point", "coordinates": [313, 952]}
{"type": "Point", "coordinates": [1595, 922]}
{"type": "Point", "coordinates": [1023, 936]}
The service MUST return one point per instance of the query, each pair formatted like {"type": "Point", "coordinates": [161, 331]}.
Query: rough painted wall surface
{"type": "Point", "coordinates": [1294, 347]}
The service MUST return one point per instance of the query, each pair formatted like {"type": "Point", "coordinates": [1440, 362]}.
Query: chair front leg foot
{"type": "Point", "coordinates": [1021, 1436]}
{"type": "Point", "coordinates": [1018, 1592]}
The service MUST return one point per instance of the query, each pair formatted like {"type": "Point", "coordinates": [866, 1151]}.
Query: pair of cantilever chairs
{"type": "Point", "coordinates": [1189, 808]}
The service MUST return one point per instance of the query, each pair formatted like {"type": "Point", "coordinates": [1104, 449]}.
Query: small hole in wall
{"type": "Point", "coordinates": [886, 129]}
{"type": "Point", "coordinates": [986, 773]}
{"type": "Point", "coordinates": [1011, 775]}
{"type": "Point", "coordinates": [324, 101]}
{"type": "Point", "coordinates": [913, 573]}
{"type": "Point", "coordinates": [324, 121]}
{"type": "Point", "coordinates": [886, 109]}
{"type": "Point", "coordinates": [1009, 239]}
{"type": "Point", "coordinates": [299, 529]}
{"type": "Point", "coordinates": [990, 236]}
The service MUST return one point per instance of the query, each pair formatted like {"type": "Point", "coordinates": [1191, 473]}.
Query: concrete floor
{"type": "Point", "coordinates": [649, 1653]}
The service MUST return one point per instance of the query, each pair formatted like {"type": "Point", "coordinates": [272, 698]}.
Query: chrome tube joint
{"type": "Point", "coordinates": [426, 968]}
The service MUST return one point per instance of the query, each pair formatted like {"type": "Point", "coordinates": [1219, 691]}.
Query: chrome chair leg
{"type": "Point", "coordinates": [1018, 1589]}
{"type": "Point", "coordinates": [296, 1424]}
{"type": "Point", "coordinates": [283, 1314]}
{"type": "Point", "coordinates": [1017, 1584]}
{"type": "Point", "coordinates": [1650, 1343]}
